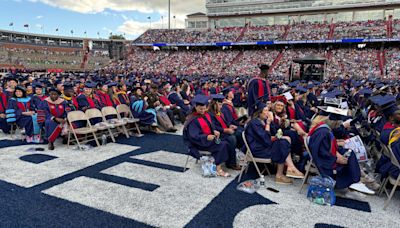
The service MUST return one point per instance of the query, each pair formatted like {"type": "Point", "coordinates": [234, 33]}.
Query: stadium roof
{"type": "Point", "coordinates": [57, 37]}
{"type": "Point", "coordinates": [196, 14]}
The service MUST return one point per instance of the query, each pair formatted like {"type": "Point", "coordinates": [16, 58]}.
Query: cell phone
{"type": "Point", "coordinates": [273, 190]}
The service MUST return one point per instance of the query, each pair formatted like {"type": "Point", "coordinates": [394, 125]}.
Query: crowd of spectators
{"type": "Point", "coordinates": [309, 31]}
{"type": "Point", "coordinates": [392, 62]}
{"type": "Point", "coordinates": [360, 29]}
{"type": "Point", "coordinates": [44, 58]}
{"type": "Point", "coordinates": [235, 63]}
{"type": "Point", "coordinates": [296, 31]}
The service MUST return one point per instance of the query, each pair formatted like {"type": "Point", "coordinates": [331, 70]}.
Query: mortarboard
{"type": "Point", "coordinates": [200, 100]}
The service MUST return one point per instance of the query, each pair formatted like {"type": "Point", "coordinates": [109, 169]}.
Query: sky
{"type": "Point", "coordinates": [129, 17]}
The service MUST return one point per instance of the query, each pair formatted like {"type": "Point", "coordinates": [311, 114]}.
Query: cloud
{"type": "Point", "coordinates": [136, 28]}
{"type": "Point", "coordinates": [39, 17]}
{"type": "Point", "coordinates": [178, 7]}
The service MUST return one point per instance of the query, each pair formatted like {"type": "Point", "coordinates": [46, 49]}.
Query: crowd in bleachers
{"type": "Point", "coordinates": [44, 57]}
{"type": "Point", "coordinates": [295, 31]}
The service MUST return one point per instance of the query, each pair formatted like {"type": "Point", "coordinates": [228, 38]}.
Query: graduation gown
{"type": "Point", "coordinates": [195, 132]}
{"type": "Point", "coordinates": [21, 105]}
{"type": "Point", "coordinates": [38, 102]}
{"type": "Point", "coordinates": [230, 114]}
{"type": "Point", "coordinates": [104, 99]}
{"type": "Point", "coordinates": [393, 170]}
{"type": "Point", "coordinates": [54, 109]}
{"type": "Point", "coordinates": [384, 164]}
{"type": "Point", "coordinates": [139, 111]}
{"type": "Point", "coordinates": [3, 106]}
{"type": "Point", "coordinates": [323, 148]}
{"type": "Point", "coordinates": [87, 102]}
{"type": "Point", "coordinates": [123, 98]}
{"type": "Point", "coordinates": [261, 144]}
{"type": "Point", "coordinates": [175, 99]}
{"type": "Point", "coordinates": [257, 89]}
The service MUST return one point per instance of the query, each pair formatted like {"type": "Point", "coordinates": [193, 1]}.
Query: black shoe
{"type": "Point", "coordinates": [51, 146]}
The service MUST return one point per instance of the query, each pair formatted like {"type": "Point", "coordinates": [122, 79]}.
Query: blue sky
{"type": "Point", "coordinates": [129, 17]}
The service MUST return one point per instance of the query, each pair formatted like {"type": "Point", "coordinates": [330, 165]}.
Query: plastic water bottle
{"type": "Point", "coordinates": [262, 181]}
{"type": "Point", "coordinates": [103, 139]}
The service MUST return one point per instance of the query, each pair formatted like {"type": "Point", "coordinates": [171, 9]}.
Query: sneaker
{"type": "Point", "coordinates": [293, 174]}
{"type": "Point", "coordinates": [355, 195]}
{"type": "Point", "coordinates": [283, 180]}
{"type": "Point", "coordinates": [360, 187]}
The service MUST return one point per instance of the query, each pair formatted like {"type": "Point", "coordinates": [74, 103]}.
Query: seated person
{"type": "Point", "coordinates": [229, 133]}
{"type": "Point", "coordinates": [141, 111]}
{"type": "Point", "coordinates": [25, 115]}
{"type": "Point", "coordinates": [56, 115]}
{"type": "Point", "coordinates": [263, 145]}
{"type": "Point", "coordinates": [4, 126]}
{"type": "Point", "coordinates": [200, 134]}
{"type": "Point", "coordinates": [329, 158]}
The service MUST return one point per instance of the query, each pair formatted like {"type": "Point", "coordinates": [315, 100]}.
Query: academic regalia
{"type": "Point", "coordinates": [71, 103]}
{"type": "Point", "coordinates": [323, 147]}
{"type": "Point", "coordinates": [123, 98]}
{"type": "Point", "coordinates": [87, 102]}
{"type": "Point", "coordinates": [146, 116]}
{"type": "Point", "coordinates": [393, 170]}
{"type": "Point", "coordinates": [3, 106]}
{"type": "Point", "coordinates": [104, 99]}
{"type": "Point", "coordinates": [53, 110]}
{"type": "Point", "coordinates": [261, 143]}
{"type": "Point", "coordinates": [257, 89]}
{"type": "Point", "coordinates": [23, 105]}
{"type": "Point", "coordinates": [220, 124]}
{"type": "Point", "coordinates": [37, 102]}
{"type": "Point", "coordinates": [175, 99]}
{"type": "Point", "coordinates": [195, 133]}
{"type": "Point", "coordinates": [230, 114]}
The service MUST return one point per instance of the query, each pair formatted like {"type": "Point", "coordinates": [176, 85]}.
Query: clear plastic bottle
{"type": "Point", "coordinates": [103, 139]}
{"type": "Point", "coordinates": [262, 181]}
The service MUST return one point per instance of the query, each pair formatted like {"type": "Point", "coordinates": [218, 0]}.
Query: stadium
{"type": "Point", "coordinates": [260, 113]}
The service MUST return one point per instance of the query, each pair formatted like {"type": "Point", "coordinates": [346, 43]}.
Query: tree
{"type": "Point", "coordinates": [116, 37]}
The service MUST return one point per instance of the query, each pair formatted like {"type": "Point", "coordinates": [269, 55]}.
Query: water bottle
{"type": "Point", "coordinates": [103, 140]}
{"type": "Point", "coordinates": [262, 181]}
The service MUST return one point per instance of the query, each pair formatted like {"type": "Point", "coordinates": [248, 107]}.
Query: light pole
{"type": "Point", "coordinates": [169, 14]}
{"type": "Point", "coordinates": [162, 22]}
{"type": "Point", "coordinates": [149, 21]}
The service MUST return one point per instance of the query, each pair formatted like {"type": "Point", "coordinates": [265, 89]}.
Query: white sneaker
{"type": "Point", "coordinates": [361, 188]}
{"type": "Point", "coordinates": [355, 195]}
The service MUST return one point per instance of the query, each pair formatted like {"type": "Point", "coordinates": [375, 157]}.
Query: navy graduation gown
{"type": "Point", "coordinates": [3, 106]}
{"type": "Point", "coordinates": [393, 170]}
{"type": "Point", "coordinates": [321, 141]}
{"type": "Point", "coordinates": [86, 102]}
{"type": "Point", "coordinates": [54, 110]}
{"type": "Point", "coordinates": [104, 99]}
{"type": "Point", "coordinates": [257, 90]}
{"type": "Point", "coordinates": [384, 164]}
{"type": "Point", "coordinates": [38, 102]}
{"type": "Point", "coordinates": [138, 108]}
{"type": "Point", "coordinates": [195, 133]}
{"type": "Point", "coordinates": [230, 114]}
{"type": "Point", "coordinates": [261, 144]}
{"type": "Point", "coordinates": [22, 121]}
{"type": "Point", "coordinates": [175, 99]}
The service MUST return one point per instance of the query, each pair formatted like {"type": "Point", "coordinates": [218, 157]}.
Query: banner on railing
{"type": "Point", "coordinates": [263, 43]}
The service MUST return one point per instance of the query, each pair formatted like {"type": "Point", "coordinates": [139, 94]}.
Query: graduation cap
{"type": "Point", "coordinates": [11, 78]}
{"type": "Point", "coordinates": [218, 97]}
{"type": "Point", "coordinates": [90, 84]}
{"type": "Point", "coordinates": [281, 98]}
{"type": "Point", "coordinates": [301, 90]}
{"type": "Point", "coordinates": [310, 86]}
{"type": "Point", "coordinates": [387, 104]}
{"type": "Point", "coordinates": [366, 92]}
{"type": "Point", "coordinates": [227, 90]}
{"type": "Point", "coordinates": [259, 106]}
{"type": "Point", "coordinates": [37, 85]}
{"type": "Point", "coordinates": [53, 89]}
{"type": "Point", "coordinates": [200, 100]}
{"type": "Point", "coordinates": [111, 84]}
{"type": "Point", "coordinates": [264, 67]}
{"type": "Point", "coordinates": [333, 113]}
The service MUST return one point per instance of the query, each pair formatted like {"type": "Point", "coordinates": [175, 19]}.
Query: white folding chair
{"type": "Point", "coordinates": [250, 158]}
{"type": "Point", "coordinates": [117, 122]}
{"type": "Point", "coordinates": [101, 126]}
{"type": "Point", "coordinates": [201, 152]}
{"type": "Point", "coordinates": [87, 130]}
{"type": "Point", "coordinates": [310, 167]}
{"type": "Point", "coordinates": [124, 113]}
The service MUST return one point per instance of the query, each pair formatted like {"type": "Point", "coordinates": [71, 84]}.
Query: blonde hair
{"type": "Point", "coordinates": [318, 119]}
